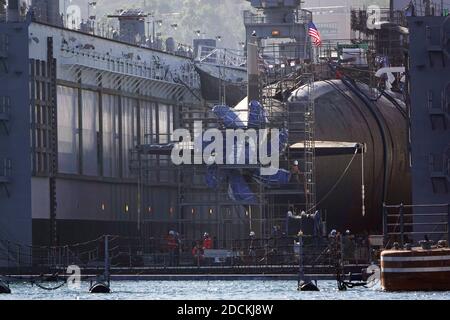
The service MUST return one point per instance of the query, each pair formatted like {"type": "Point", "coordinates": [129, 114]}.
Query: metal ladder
{"type": "Point", "coordinates": [309, 146]}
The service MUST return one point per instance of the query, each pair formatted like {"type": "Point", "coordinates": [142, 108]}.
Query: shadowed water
{"type": "Point", "coordinates": [214, 290]}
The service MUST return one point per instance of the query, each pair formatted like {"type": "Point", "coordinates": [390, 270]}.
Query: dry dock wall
{"type": "Point", "coordinates": [15, 176]}
{"type": "Point", "coordinates": [429, 69]}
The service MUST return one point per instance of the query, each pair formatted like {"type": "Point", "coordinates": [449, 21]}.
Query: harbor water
{"type": "Point", "coordinates": [214, 290]}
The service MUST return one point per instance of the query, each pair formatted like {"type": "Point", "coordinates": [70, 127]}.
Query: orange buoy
{"type": "Point", "coordinates": [416, 270]}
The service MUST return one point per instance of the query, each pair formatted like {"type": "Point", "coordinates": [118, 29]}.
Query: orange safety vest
{"type": "Point", "coordinates": [207, 243]}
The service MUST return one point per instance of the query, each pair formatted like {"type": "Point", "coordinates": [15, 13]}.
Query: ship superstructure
{"type": "Point", "coordinates": [281, 22]}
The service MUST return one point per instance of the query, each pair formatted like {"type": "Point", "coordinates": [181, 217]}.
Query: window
{"type": "Point", "coordinates": [147, 122]}
{"type": "Point", "coordinates": [111, 137]}
{"type": "Point", "coordinates": [90, 128]}
{"type": "Point", "coordinates": [129, 132]}
{"type": "Point", "coordinates": [163, 121]}
{"type": "Point", "coordinates": [67, 129]}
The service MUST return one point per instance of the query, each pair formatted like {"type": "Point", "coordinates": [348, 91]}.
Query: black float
{"type": "Point", "coordinates": [102, 283]}
{"type": "Point", "coordinates": [4, 288]}
{"type": "Point", "coordinates": [308, 286]}
{"type": "Point", "coordinates": [100, 287]}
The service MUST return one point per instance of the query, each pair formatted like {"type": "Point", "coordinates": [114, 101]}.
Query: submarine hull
{"type": "Point", "coordinates": [218, 82]}
{"type": "Point", "coordinates": [341, 115]}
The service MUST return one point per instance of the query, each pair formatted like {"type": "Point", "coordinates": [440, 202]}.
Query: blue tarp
{"type": "Point", "coordinates": [238, 188]}
{"type": "Point", "coordinates": [282, 177]}
{"type": "Point", "coordinates": [284, 138]}
{"type": "Point", "coordinates": [228, 117]}
{"type": "Point", "coordinates": [257, 116]}
{"type": "Point", "coordinates": [213, 178]}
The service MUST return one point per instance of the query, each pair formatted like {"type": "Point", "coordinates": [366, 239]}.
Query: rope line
{"type": "Point", "coordinates": [344, 173]}
{"type": "Point", "coordinates": [48, 288]}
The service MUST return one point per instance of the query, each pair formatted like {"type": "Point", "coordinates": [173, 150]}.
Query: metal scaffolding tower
{"type": "Point", "coordinates": [200, 208]}
{"type": "Point", "coordinates": [309, 144]}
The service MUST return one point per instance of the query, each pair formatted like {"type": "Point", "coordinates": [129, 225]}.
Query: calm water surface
{"type": "Point", "coordinates": [214, 290]}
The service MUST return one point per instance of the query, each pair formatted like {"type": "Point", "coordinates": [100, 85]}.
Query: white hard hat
{"type": "Point", "coordinates": [295, 163]}
{"type": "Point", "coordinates": [172, 233]}
{"type": "Point", "coordinates": [252, 233]}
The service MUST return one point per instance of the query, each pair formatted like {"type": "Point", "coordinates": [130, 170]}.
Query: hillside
{"type": "Point", "coordinates": [212, 17]}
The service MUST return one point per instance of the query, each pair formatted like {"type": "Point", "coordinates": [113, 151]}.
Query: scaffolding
{"type": "Point", "coordinates": [202, 209]}
{"type": "Point", "coordinates": [386, 39]}
{"type": "Point", "coordinates": [263, 210]}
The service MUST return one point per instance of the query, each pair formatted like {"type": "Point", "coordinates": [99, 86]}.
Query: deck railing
{"type": "Point", "coordinates": [300, 16]}
{"type": "Point", "coordinates": [154, 255]}
{"type": "Point", "coordinates": [411, 223]}
{"type": "Point", "coordinates": [221, 56]}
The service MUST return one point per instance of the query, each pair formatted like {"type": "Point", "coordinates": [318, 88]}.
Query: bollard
{"type": "Point", "coordinates": [103, 285]}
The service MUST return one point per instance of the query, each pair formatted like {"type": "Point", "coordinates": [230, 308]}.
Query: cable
{"type": "Point", "coordinates": [49, 289]}
{"type": "Point", "coordinates": [352, 101]}
{"type": "Point", "coordinates": [387, 156]}
{"type": "Point", "coordinates": [395, 103]}
{"type": "Point", "coordinates": [337, 182]}
{"type": "Point", "coordinates": [33, 282]}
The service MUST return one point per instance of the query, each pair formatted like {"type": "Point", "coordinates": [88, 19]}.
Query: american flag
{"type": "Point", "coordinates": [314, 33]}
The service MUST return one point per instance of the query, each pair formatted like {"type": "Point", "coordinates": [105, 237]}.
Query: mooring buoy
{"type": "Point", "coordinates": [4, 288]}
{"type": "Point", "coordinates": [99, 287]}
{"type": "Point", "coordinates": [308, 286]}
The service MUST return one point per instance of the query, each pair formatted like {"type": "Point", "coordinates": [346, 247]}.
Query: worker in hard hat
{"type": "Point", "coordinates": [198, 253]}
{"type": "Point", "coordinates": [173, 247]}
{"type": "Point", "coordinates": [295, 172]}
{"type": "Point", "coordinates": [349, 248]}
{"type": "Point", "coordinates": [207, 241]}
